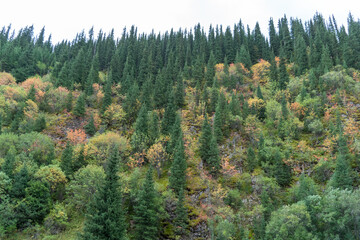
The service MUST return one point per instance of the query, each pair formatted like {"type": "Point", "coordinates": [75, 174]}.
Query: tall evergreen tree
{"type": "Point", "coordinates": [69, 102]}
{"type": "Point", "coordinates": [179, 92]}
{"type": "Point", "coordinates": [283, 74]}
{"type": "Point", "coordinates": [214, 158]}
{"type": "Point", "coordinates": [169, 115]}
{"type": "Point", "coordinates": [174, 136]}
{"type": "Point", "coordinates": [32, 93]}
{"type": "Point", "coordinates": [105, 218]}
{"type": "Point", "coordinates": [210, 70]}
{"type": "Point", "coordinates": [205, 139]}
{"type": "Point", "coordinates": [67, 160]}
{"type": "Point", "coordinates": [251, 159]}
{"type": "Point", "coordinates": [178, 168]}
{"type": "Point", "coordinates": [90, 126]}
{"type": "Point", "coordinates": [300, 56]}
{"type": "Point", "coordinates": [107, 100]}
{"type": "Point", "coordinates": [181, 215]}
{"type": "Point", "coordinates": [146, 211]}
{"type": "Point", "coordinates": [154, 127]}
{"type": "Point", "coordinates": [8, 166]}
{"type": "Point", "coordinates": [140, 138]}
{"type": "Point", "coordinates": [79, 109]}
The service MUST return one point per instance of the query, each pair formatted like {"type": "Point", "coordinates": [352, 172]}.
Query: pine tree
{"type": "Point", "coordinates": [214, 159]}
{"type": "Point", "coordinates": [261, 114]}
{"type": "Point", "coordinates": [251, 159]}
{"type": "Point", "coordinates": [218, 123]}
{"type": "Point", "coordinates": [79, 162]}
{"type": "Point", "coordinates": [69, 102]}
{"type": "Point", "coordinates": [181, 215]}
{"type": "Point", "coordinates": [105, 218]}
{"type": "Point", "coordinates": [67, 160]}
{"type": "Point", "coordinates": [8, 166]}
{"type": "Point", "coordinates": [178, 168]}
{"type": "Point", "coordinates": [169, 116]}
{"type": "Point", "coordinates": [92, 78]}
{"type": "Point", "coordinates": [21, 182]}
{"type": "Point", "coordinates": [146, 211]}
{"type": "Point", "coordinates": [205, 139]}
{"type": "Point", "coordinates": [79, 109]}
{"type": "Point", "coordinates": [107, 100]}
{"type": "Point", "coordinates": [90, 126]}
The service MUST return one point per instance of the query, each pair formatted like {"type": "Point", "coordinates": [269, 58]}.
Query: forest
{"type": "Point", "coordinates": [223, 133]}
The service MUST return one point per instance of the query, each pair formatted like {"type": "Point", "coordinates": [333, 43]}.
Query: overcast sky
{"type": "Point", "coordinates": [63, 19]}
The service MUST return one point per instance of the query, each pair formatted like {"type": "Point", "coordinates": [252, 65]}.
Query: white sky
{"type": "Point", "coordinates": [63, 19]}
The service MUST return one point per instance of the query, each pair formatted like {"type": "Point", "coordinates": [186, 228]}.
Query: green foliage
{"type": "Point", "coordinates": [69, 102]}
{"type": "Point", "coordinates": [105, 216]}
{"type": "Point", "coordinates": [9, 165]}
{"type": "Point", "coordinates": [251, 159]}
{"type": "Point", "coordinates": [305, 187]}
{"type": "Point", "coordinates": [290, 222]}
{"type": "Point", "coordinates": [90, 127]}
{"type": "Point", "coordinates": [82, 189]}
{"type": "Point", "coordinates": [204, 140]}
{"type": "Point", "coordinates": [67, 160]}
{"type": "Point", "coordinates": [178, 168]}
{"type": "Point", "coordinates": [169, 116]}
{"type": "Point", "coordinates": [181, 215]}
{"type": "Point", "coordinates": [146, 211]}
{"type": "Point", "coordinates": [21, 181]}
{"type": "Point", "coordinates": [36, 204]}
{"type": "Point", "coordinates": [79, 109]}
{"type": "Point", "coordinates": [213, 160]}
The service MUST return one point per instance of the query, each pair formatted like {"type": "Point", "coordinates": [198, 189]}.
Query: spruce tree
{"type": "Point", "coordinates": [91, 79]}
{"type": "Point", "coordinates": [174, 136]}
{"type": "Point", "coordinates": [343, 176]}
{"type": "Point", "coordinates": [67, 160]}
{"type": "Point", "coordinates": [169, 116]}
{"type": "Point", "coordinates": [147, 211]}
{"type": "Point", "coordinates": [204, 140]}
{"type": "Point", "coordinates": [326, 62]}
{"type": "Point", "coordinates": [284, 108]}
{"type": "Point", "coordinates": [105, 218]}
{"type": "Point", "coordinates": [214, 159]}
{"type": "Point", "coordinates": [274, 73]}
{"type": "Point", "coordinates": [107, 100]}
{"type": "Point", "coordinates": [300, 56]}
{"type": "Point", "coordinates": [214, 96]}
{"type": "Point", "coordinates": [178, 168]}
{"type": "Point", "coordinates": [245, 57]}
{"type": "Point", "coordinates": [281, 171]}
{"type": "Point", "coordinates": [283, 74]}
{"type": "Point", "coordinates": [90, 127]}
{"type": "Point", "coordinates": [234, 105]}
{"type": "Point", "coordinates": [140, 138]}
{"type": "Point", "coordinates": [79, 109]}
{"type": "Point", "coordinates": [210, 70]}
{"type": "Point", "coordinates": [8, 166]}
{"type": "Point", "coordinates": [181, 215]}
{"type": "Point", "coordinates": [179, 93]}
{"type": "Point", "coordinates": [154, 127]}
{"type": "Point", "coordinates": [69, 102]}
{"type": "Point", "coordinates": [251, 159]}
